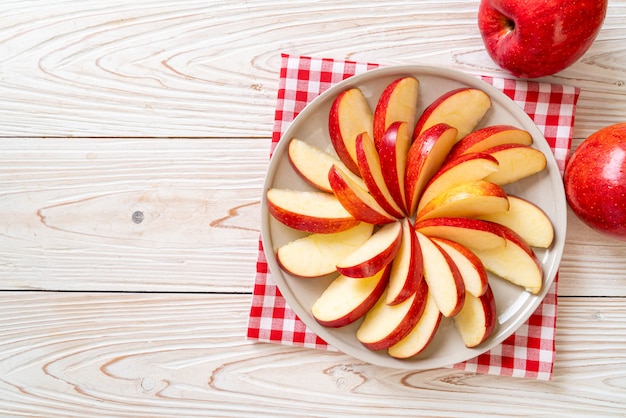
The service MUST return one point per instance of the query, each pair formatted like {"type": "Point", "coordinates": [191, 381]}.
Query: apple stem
{"type": "Point", "coordinates": [508, 24]}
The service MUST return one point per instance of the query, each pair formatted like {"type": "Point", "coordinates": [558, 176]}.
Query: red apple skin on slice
{"type": "Point", "coordinates": [356, 200]}
{"type": "Point", "coordinates": [515, 162]}
{"type": "Point", "coordinates": [384, 325]}
{"type": "Point", "coordinates": [477, 320]}
{"type": "Point", "coordinates": [527, 220]}
{"type": "Point", "coordinates": [393, 151]}
{"type": "Point", "coordinates": [316, 255]}
{"type": "Point", "coordinates": [407, 267]}
{"type": "Point", "coordinates": [378, 251]}
{"type": "Point", "coordinates": [421, 335]}
{"type": "Point", "coordinates": [466, 168]}
{"type": "Point", "coordinates": [442, 276]}
{"type": "Point", "coordinates": [349, 116]}
{"type": "Point", "coordinates": [348, 299]}
{"type": "Point", "coordinates": [314, 212]}
{"type": "Point", "coordinates": [462, 108]}
{"type": "Point", "coordinates": [467, 200]}
{"type": "Point", "coordinates": [425, 157]}
{"type": "Point", "coordinates": [472, 233]}
{"type": "Point", "coordinates": [313, 164]}
{"type": "Point", "coordinates": [397, 103]}
{"type": "Point", "coordinates": [471, 268]}
{"type": "Point", "coordinates": [514, 261]}
{"type": "Point", "coordinates": [489, 137]}
{"type": "Point", "coordinates": [368, 160]}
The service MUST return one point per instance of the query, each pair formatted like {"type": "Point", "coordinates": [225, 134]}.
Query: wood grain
{"type": "Point", "coordinates": [67, 207]}
{"type": "Point", "coordinates": [186, 355]}
{"type": "Point", "coordinates": [198, 69]}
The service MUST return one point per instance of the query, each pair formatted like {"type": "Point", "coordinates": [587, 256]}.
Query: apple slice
{"type": "Point", "coordinates": [462, 108]}
{"type": "Point", "coordinates": [469, 167]}
{"type": "Point", "coordinates": [489, 137]}
{"type": "Point", "coordinates": [407, 267]}
{"type": "Point", "coordinates": [368, 160]}
{"type": "Point", "coordinates": [356, 199]}
{"type": "Point", "coordinates": [393, 150]}
{"type": "Point", "coordinates": [349, 115]}
{"type": "Point", "coordinates": [374, 254]}
{"type": "Point", "coordinates": [515, 162]}
{"type": "Point", "coordinates": [397, 103]}
{"type": "Point", "coordinates": [315, 212]}
{"type": "Point", "coordinates": [313, 164]}
{"type": "Point", "coordinates": [384, 325]}
{"type": "Point", "coordinates": [526, 219]}
{"type": "Point", "coordinates": [421, 335]}
{"type": "Point", "coordinates": [514, 261]}
{"type": "Point", "coordinates": [473, 233]}
{"type": "Point", "coordinates": [317, 254]}
{"type": "Point", "coordinates": [472, 269]}
{"type": "Point", "coordinates": [467, 200]}
{"type": "Point", "coordinates": [443, 277]}
{"type": "Point", "coordinates": [425, 157]}
{"type": "Point", "coordinates": [347, 299]}
{"type": "Point", "coordinates": [477, 320]}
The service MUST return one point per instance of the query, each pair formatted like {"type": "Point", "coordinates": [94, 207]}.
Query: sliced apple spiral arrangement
{"type": "Point", "coordinates": [410, 213]}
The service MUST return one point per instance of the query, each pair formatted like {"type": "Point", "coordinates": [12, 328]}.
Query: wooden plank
{"type": "Point", "coordinates": [68, 206]}
{"type": "Point", "coordinates": [139, 215]}
{"type": "Point", "coordinates": [592, 264]}
{"type": "Point", "coordinates": [123, 355]}
{"type": "Point", "coordinates": [195, 69]}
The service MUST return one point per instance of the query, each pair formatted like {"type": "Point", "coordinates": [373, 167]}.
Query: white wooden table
{"type": "Point", "coordinates": [134, 143]}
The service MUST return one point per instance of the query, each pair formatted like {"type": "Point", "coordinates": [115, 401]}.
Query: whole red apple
{"type": "Point", "coordinates": [595, 181]}
{"type": "Point", "coordinates": [536, 38]}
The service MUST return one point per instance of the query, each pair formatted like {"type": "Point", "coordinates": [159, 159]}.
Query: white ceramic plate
{"type": "Point", "coordinates": [513, 303]}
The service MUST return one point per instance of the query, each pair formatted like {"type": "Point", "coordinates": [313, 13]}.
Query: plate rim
{"type": "Point", "coordinates": [550, 271]}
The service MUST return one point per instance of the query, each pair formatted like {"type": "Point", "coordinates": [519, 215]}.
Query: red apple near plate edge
{"type": "Point", "coordinates": [537, 38]}
{"type": "Point", "coordinates": [595, 181]}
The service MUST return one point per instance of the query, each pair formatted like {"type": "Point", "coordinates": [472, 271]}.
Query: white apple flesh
{"type": "Point", "coordinates": [469, 200]}
{"type": "Point", "coordinates": [368, 160]}
{"type": "Point", "coordinates": [374, 254]}
{"type": "Point", "coordinates": [421, 335]}
{"type": "Point", "coordinates": [489, 137]}
{"type": "Point", "coordinates": [514, 261]}
{"type": "Point", "coordinates": [526, 219]}
{"type": "Point", "coordinates": [384, 325]}
{"type": "Point", "coordinates": [349, 116]}
{"type": "Point", "coordinates": [315, 212]}
{"type": "Point", "coordinates": [317, 255]}
{"type": "Point", "coordinates": [356, 199]}
{"type": "Point", "coordinates": [461, 108]}
{"type": "Point", "coordinates": [425, 157]}
{"type": "Point", "coordinates": [397, 103]}
{"type": "Point", "coordinates": [466, 168]}
{"type": "Point", "coordinates": [477, 320]}
{"type": "Point", "coordinates": [472, 270]}
{"type": "Point", "coordinates": [313, 164]}
{"type": "Point", "coordinates": [347, 299]}
{"type": "Point", "coordinates": [393, 150]}
{"type": "Point", "coordinates": [442, 276]}
{"type": "Point", "coordinates": [515, 162]}
{"type": "Point", "coordinates": [407, 267]}
{"type": "Point", "coordinates": [473, 233]}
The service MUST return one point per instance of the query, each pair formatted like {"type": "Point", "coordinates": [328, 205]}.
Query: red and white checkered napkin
{"type": "Point", "coordinates": [530, 351]}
